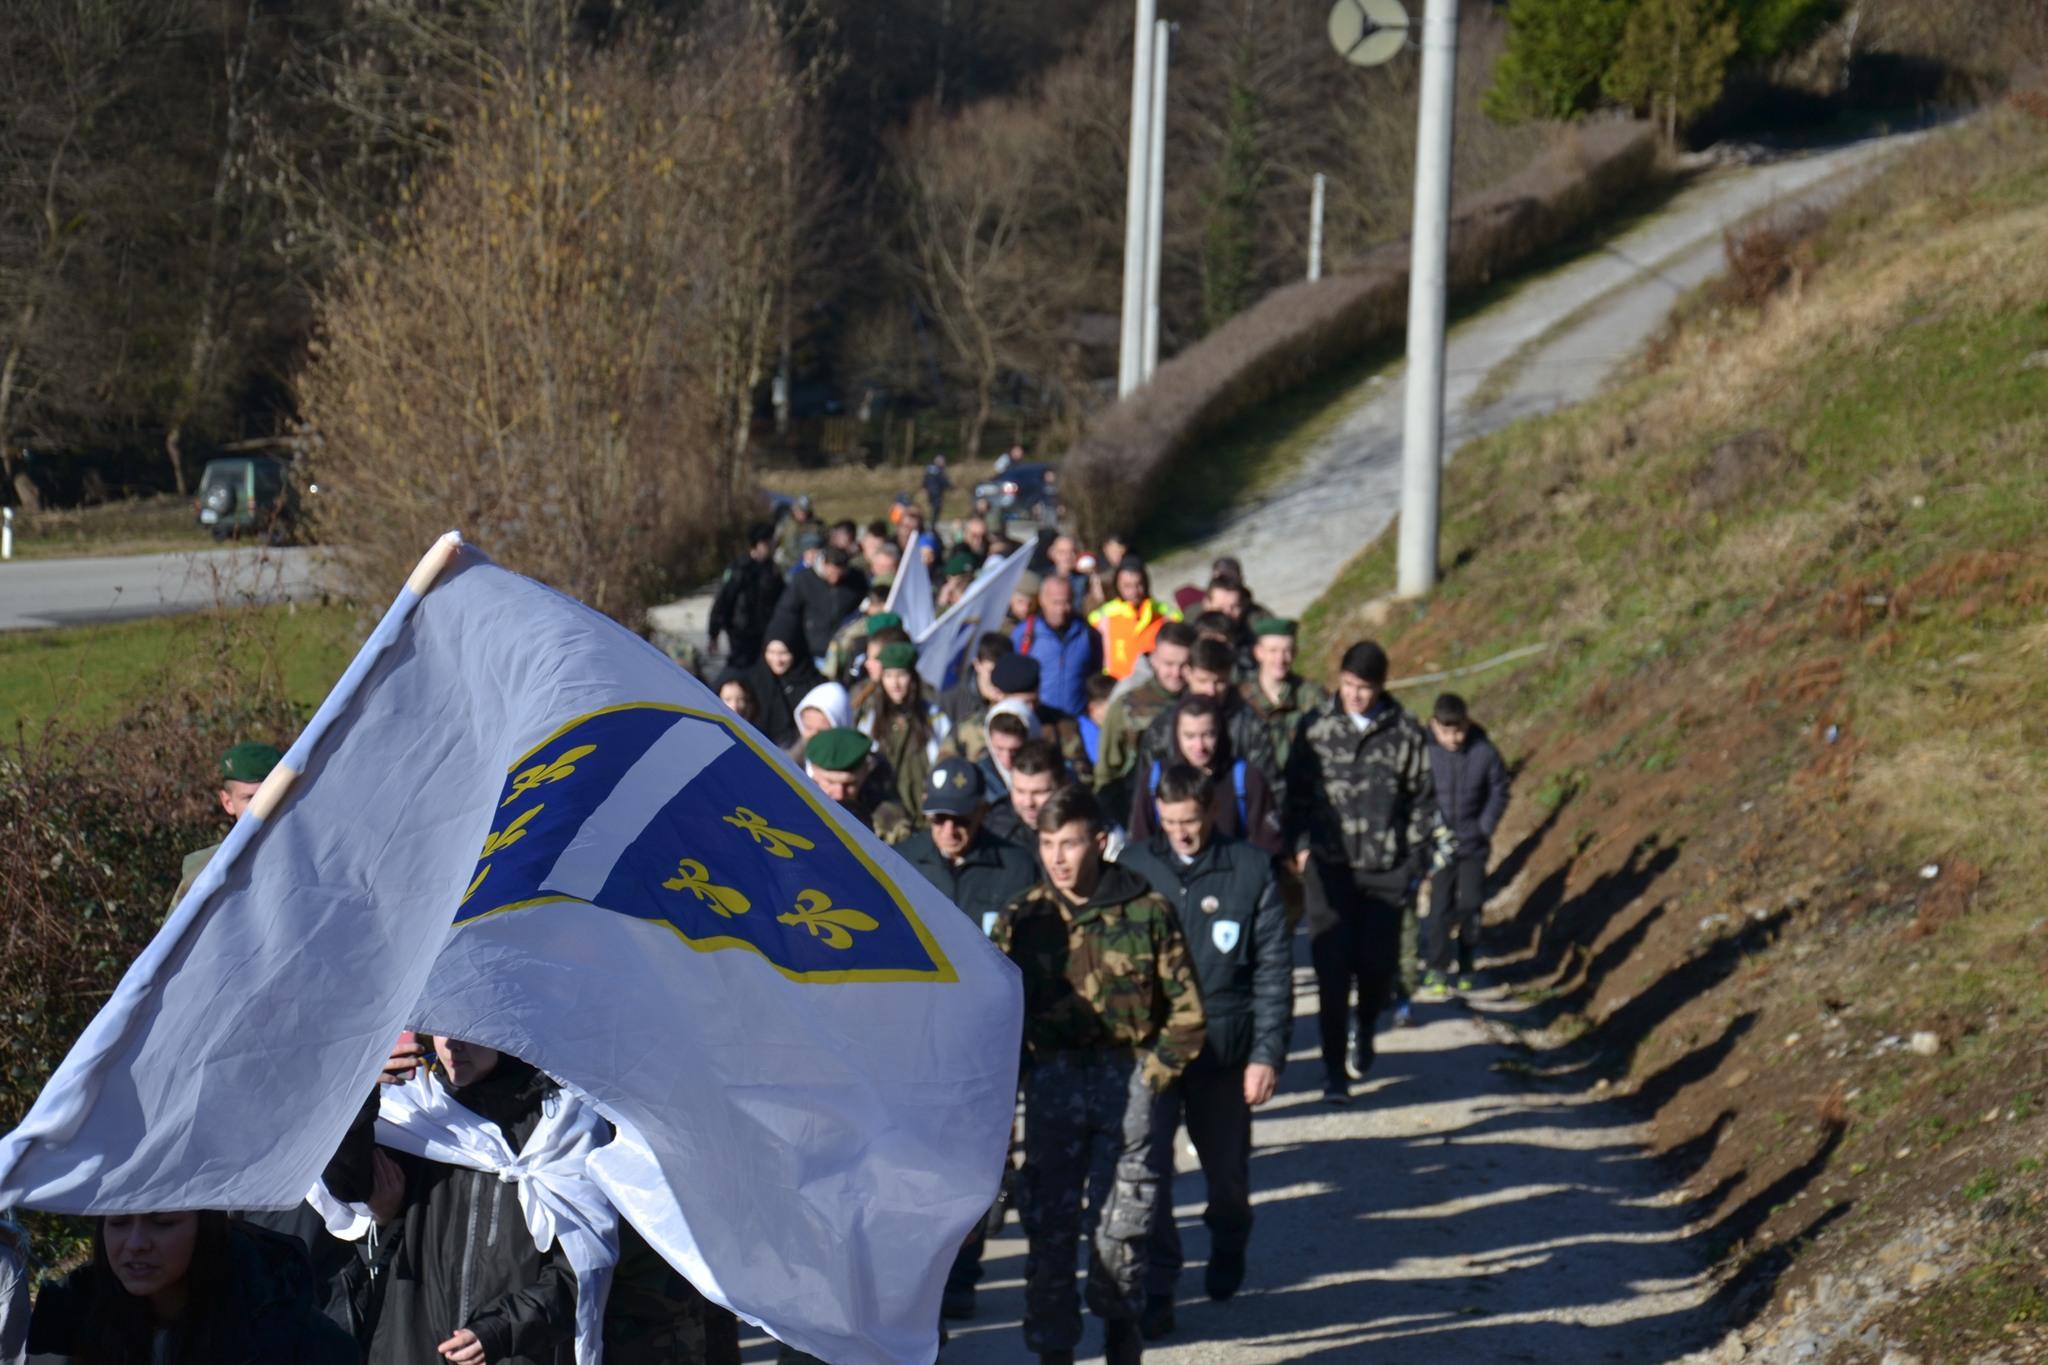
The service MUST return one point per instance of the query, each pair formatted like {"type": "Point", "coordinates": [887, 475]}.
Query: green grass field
{"type": "Point", "coordinates": [85, 676]}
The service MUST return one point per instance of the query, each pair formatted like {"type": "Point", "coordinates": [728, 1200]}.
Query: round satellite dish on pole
{"type": "Point", "coordinates": [1368, 32]}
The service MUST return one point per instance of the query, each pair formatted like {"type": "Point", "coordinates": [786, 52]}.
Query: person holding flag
{"type": "Point", "coordinates": [494, 1245]}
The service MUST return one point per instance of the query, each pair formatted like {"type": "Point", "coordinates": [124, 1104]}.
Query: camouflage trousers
{"type": "Point", "coordinates": [1091, 1126]}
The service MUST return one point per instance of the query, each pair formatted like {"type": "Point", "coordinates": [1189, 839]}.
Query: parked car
{"type": "Point", "coordinates": [248, 495]}
{"type": "Point", "coordinates": [1026, 491]}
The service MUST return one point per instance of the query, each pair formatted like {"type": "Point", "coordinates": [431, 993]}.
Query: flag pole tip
{"type": "Point", "coordinates": [433, 562]}
{"type": "Point", "coordinates": [272, 791]}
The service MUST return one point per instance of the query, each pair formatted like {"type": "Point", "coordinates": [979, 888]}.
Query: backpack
{"type": "Point", "coordinates": [1244, 823]}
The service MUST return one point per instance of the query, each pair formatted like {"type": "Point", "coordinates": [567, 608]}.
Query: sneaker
{"type": "Point", "coordinates": [1403, 1017]}
{"type": "Point", "coordinates": [1466, 985]}
{"type": "Point", "coordinates": [1336, 1094]}
{"type": "Point", "coordinates": [957, 1304]}
{"type": "Point", "coordinates": [1121, 1344]}
{"type": "Point", "coordinates": [1157, 1319]}
{"type": "Point", "coordinates": [1351, 1060]}
{"type": "Point", "coordinates": [1434, 987]}
{"type": "Point", "coordinates": [1225, 1273]}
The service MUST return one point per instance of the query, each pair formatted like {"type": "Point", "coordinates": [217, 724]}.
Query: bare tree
{"type": "Point", "coordinates": [63, 64]}
{"type": "Point", "coordinates": [969, 184]}
{"type": "Point", "coordinates": [551, 349]}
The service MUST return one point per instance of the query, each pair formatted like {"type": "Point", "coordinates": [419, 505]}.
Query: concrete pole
{"type": "Point", "coordinates": [1423, 434]}
{"type": "Point", "coordinates": [1130, 351]}
{"type": "Point", "coordinates": [1155, 207]}
{"type": "Point", "coordinates": [1315, 229]}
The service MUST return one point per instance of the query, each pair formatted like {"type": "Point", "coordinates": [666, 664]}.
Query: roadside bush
{"type": "Point", "coordinates": [1301, 330]}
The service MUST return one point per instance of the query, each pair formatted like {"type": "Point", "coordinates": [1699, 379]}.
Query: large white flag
{"type": "Point", "coordinates": [943, 650]}
{"type": "Point", "coordinates": [809, 1054]}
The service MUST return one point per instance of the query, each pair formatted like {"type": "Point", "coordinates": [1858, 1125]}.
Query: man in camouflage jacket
{"type": "Point", "coordinates": [1361, 821]}
{"type": "Point", "coordinates": [1112, 1016]}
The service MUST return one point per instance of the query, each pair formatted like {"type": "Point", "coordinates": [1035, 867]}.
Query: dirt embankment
{"type": "Point", "coordinates": [1777, 858]}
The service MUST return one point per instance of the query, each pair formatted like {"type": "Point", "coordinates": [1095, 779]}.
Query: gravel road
{"type": "Point", "coordinates": [39, 593]}
{"type": "Point", "coordinates": [1551, 343]}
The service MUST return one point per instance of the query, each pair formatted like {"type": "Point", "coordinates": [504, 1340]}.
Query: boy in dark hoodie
{"type": "Point", "coordinates": [1472, 791]}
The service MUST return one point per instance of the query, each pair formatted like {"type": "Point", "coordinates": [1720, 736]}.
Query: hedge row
{"type": "Point", "coordinates": [1302, 330]}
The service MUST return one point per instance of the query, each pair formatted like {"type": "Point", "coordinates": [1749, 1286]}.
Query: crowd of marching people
{"type": "Point", "coordinates": [1137, 798]}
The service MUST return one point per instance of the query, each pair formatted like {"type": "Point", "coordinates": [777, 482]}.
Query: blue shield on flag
{"type": "Point", "coordinates": [658, 812]}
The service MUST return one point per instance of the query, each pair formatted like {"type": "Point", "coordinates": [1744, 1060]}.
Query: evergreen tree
{"type": "Point", "coordinates": [1673, 57]}
{"type": "Point", "coordinates": [1557, 52]}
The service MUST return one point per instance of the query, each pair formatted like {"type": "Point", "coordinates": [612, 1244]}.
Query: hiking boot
{"type": "Point", "coordinates": [1157, 1319]}
{"type": "Point", "coordinates": [1121, 1344]}
{"type": "Point", "coordinates": [957, 1304]}
{"type": "Point", "coordinates": [1225, 1272]}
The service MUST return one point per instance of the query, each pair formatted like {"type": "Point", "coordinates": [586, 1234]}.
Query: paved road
{"type": "Point", "coordinates": [37, 593]}
{"type": "Point", "coordinates": [1451, 1215]}
{"type": "Point", "coordinates": [1551, 343]}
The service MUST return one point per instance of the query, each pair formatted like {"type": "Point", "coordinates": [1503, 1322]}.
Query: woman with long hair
{"type": "Point", "coordinates": [907, 725]}
{"type": "Point", "coordinates": [173, 1288]}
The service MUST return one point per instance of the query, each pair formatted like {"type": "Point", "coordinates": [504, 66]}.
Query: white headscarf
{"type": "Point", "coordinates": [830, 698]}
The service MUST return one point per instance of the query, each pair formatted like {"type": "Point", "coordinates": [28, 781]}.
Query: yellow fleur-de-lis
{"type": "Point", "coordinates": [563, 765]}
{"type": "Point", "coordinates": [779, 842]}
{"type": "Point", "coordinates": [502, 839]}
{"type": "Point", "coordinates": [693, 877]}
{"type": "Point", "coordinates": [814, 911]}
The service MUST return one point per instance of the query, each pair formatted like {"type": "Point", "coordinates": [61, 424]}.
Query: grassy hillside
{"type": "Point", "coordinates": [1777, 856]}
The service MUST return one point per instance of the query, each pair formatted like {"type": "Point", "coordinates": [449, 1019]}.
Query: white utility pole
{"type": "Point", "coordinates": [1315, 229]}
{"type": "Point", "coordinates": [1423, 434]}
{"type": "Point", "coordinates": [1155, 208]}
{"type": "Point", "coordinates": [1130, 352]}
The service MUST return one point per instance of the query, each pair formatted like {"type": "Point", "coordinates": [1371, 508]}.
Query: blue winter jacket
{"type": "Point", "coordinates": [1066, 659]}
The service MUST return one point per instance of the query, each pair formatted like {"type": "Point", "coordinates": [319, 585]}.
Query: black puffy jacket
{"type": "Point", "coordinates": [270, 1314]}
{"type": "Point", "coordinates": [991, 873]}
{"type": "Point", "coordinates": [461, 1255]}
{"type": "Point", "coordinates": [1236, 926]}
{"type": "Point", "coordinates": [812, 610]}
{"type": "Point", "coordinates": [1471, 789]}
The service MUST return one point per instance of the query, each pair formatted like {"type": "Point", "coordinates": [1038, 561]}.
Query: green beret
{"type": "Point", "coordinates": [902, 654]}
{"type": "Point", "coordinates": [1274, 625]}
{"type": "Point", "coordinates": [961, 562]}
{"type": "Point", "coordinates": [837, 751]}
{"type": "Point", "coordinates": [249, 761]}
{"type": "Point", "coordinates": [882, 620]}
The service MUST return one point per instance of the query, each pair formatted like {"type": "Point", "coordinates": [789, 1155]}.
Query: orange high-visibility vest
{"type": "Point", "coordinates": [1128, 632]}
